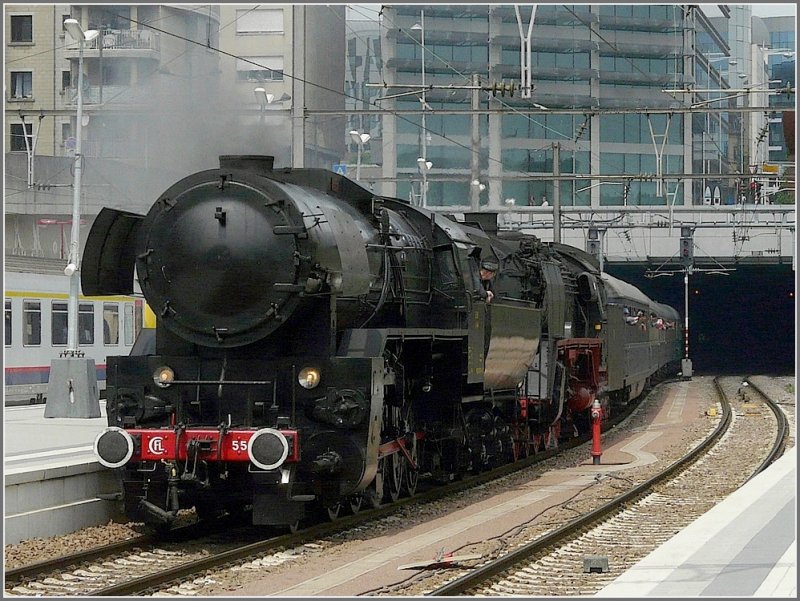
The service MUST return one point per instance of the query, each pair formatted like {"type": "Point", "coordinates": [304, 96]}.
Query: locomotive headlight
{"type": "Point", "coordinates": [308, 377]}
{"type": "Point", "coordinates": [163, 376]}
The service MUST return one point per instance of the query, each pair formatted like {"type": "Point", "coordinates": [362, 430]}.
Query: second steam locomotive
{"type": "Point", "coordinates": [318, 346]}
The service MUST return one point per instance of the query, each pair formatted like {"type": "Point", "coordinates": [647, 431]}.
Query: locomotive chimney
{"type": "Point", "coordinates": [259, 163]}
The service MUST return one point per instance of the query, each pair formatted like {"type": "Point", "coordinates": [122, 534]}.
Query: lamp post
{"type": "Point", "coordinates": [263, 98]}
{"type": "Point", "coordinates": [266, 100]}
{"type": "Point", "coordinates": [423, 160]}
{"type": "Point", "coordinates": [730, 61]}
{"type": "Point", "coordinates": [424, 166]}
{"type": "Point", "coordinates": [72, 386]}
{"type": "Point", "coordinates": [360, 139]}
{"type": "Point", "coordinates": [742, 117]}
{"type": "Point", "coordinates": [74, 29]}
{"type": "Point", "coordinates": [687, 258]}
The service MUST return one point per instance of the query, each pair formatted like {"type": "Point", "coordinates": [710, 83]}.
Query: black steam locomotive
{"type": "Point", "coordinates": [318, 346]}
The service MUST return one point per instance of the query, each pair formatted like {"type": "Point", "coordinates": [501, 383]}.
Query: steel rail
{"type": "Point", "coordinates": [524, 553]}
{"type": "Point", "coordinates": [783, 429]}
{"type": "Point", "coordinates": [63, 562]}
{"type": "Point", "coordinates": [160, 579]}
{"type": "Point", "coordinates": [32, 571]}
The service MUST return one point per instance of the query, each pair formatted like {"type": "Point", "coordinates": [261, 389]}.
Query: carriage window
{"type": "Point", "coordinates": [32, 323]}
{"type": "Point", "coordinates": [8, 323]}
{"type": "Point", "coordinates": [110, 323]}
{"type": "Point", "coordinates": [58, 329]}
{"type": "Point", "coordinates": [86, 323]}
{"type": "Point", "coordinates": [138, 318]}
{"type": "Point", "coordinates": [128, 324]}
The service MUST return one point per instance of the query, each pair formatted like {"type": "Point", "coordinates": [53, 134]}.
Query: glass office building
{"type": "Point", "coordinates": [605, 58]}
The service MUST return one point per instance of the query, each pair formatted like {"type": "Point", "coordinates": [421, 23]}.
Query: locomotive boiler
{"type": "Point", "coordinates": [320, 347]}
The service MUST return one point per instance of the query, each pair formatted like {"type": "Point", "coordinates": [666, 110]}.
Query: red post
{"type": "Point", "coordinates": [597, 419]}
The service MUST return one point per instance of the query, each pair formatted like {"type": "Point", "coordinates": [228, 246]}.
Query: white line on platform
{"type": "Point", "coordinates": [70, 451]}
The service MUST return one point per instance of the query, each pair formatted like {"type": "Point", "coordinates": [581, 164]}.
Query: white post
{"type": "Point", "coordinates": [424, 108]}
{"type": "Point", "coordinates": [686, 363]}
{"type": "Point", "coordinates": [73, 267]}
{"type": "Point", "coordinates": [72, 383]}
{"type": "Point", "coordinates": [360, 139]}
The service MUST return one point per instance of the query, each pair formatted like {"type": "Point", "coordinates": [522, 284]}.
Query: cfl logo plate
{"type": "Point", "coordinates": [155, 446]}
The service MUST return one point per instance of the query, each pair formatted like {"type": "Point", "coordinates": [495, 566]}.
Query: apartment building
{"type": "Point", "coordinates": [166, 90]}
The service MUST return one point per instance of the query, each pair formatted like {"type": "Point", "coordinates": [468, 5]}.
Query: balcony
{"type": "Point", "coordinates": [119, 43]}
{"type": "Point", "coordinates": [117, 95]}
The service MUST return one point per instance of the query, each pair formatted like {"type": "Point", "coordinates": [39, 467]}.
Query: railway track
{"type": "Point", "coordinates": [147, 563]}
{"type": "Point", "coordinates": [158, 568]}
{"type": "Point", "coordinates": [572, 560]}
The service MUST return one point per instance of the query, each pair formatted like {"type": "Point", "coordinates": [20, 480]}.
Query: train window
{"type": "Point", "coordinates": [58, 321]}
{"type": "Point", "coordinates": [32, 323]}
{"type": "Point", "coordinates": [86, 323]}
{"type": "Point", "coordinates": [128, 324]}
{"type": "Point", "coordinates": [8, 322]}
{"type": "Point", "coordinates": [137, 318]}
{"type": "Point", "coordinates": [110, 323]}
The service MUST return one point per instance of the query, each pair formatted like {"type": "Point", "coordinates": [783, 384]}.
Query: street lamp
{"type": "Point", "coordinates": [360, 139]}
{"type": "Point", "coordinates": [269, 103]}
{"type": "Point", "coordinates": [731, 61]}
{"type": "Point", "coordinates": [424, 166]}
{"type": "Point", "coordinates": [421, 28]}
{"type": "Point", "coordinates": [72, 387]}
{"type": "Point", "coordinates": [481, 187]}
{"type": "Point", "coordinates": [74, 29]}
{"type": "Point", "coordinates": [742, 117]}
{"type": "Point", "coordinates": [265, 99]}
{"type": "Point", "coordinates": [686, 249]}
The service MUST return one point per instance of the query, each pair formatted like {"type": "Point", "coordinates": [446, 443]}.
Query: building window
{"type": "Point", "coordinates": [261, 20]}
{"type": "Point", "coordinates": [66, 132]}
{"type": "Point", "coordinates": [18, 137]}
{"type": "Point", "coordinates": [86, 323]}
{"type": "Point", "coordinates": [260, 68]}
{"type": "Point", "coordinates": [21, 84]}
{"type": "Point", "coordinates": [110, 17]}
{"type": "Point", "coordinates": [66, 80]}
{"type": "Point", "coordinates": [110, 323]}
{"type": "Point", "coordinates": [21, 29]}
{"type": "Point", "coordinates": [8, 322]}
{"type": "Point", "coordinates": [59, 323]}
{"type": "Point", "coordinates": [32, 323]}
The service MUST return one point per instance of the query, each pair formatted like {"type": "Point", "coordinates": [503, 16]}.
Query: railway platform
{"type": "Point", "coordinates": [51, 475]}
{"type": "Point", "coordinates": [745, 546]}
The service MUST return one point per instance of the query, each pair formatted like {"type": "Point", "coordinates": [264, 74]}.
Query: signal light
{"type": "Point", "coordinates": [686, 250]}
